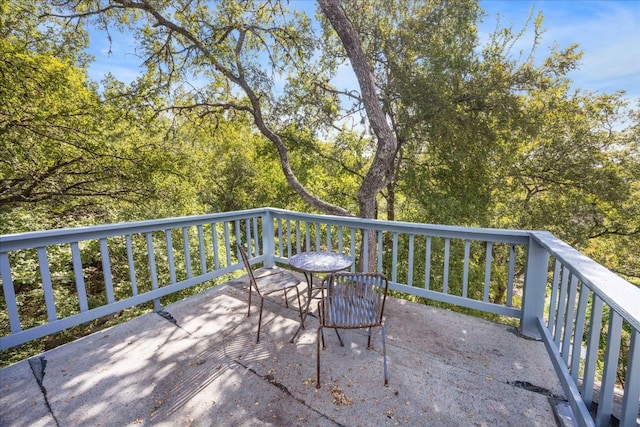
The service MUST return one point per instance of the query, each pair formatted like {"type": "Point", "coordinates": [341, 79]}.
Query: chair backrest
{"type": "Point", "coordinates": [245, 260]}
{"type": "Point", "coordinates": [369, 288]}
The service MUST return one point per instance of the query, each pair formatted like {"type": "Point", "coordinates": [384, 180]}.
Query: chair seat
{"type": "Point", "coordinates": [268, 281]}
{"type": "Point", "coordinates": [349, 312]}
{"type": "Point", "coordinates": [276, 282]}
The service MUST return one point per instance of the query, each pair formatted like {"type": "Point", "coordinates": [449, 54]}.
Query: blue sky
{"type": "Point", "coordinates": [608, 31]}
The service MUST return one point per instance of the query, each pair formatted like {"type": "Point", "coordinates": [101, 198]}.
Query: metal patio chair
{"type": "Point", "coordinates": [266, 283]}
{"type": "Point", "coordinates": [352, 301]}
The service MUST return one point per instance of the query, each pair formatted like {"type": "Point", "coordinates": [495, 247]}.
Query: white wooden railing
{"type": "Point", "coordinates": [557, 294]}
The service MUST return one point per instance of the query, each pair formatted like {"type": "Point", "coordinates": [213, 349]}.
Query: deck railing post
{"type": "Point", "coordinates": [268, 241]}
{"type": "Point", "coordinates": [535, 285]}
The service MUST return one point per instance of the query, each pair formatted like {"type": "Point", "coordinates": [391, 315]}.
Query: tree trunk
{"type": "Point", "coordinates": [381, 167]}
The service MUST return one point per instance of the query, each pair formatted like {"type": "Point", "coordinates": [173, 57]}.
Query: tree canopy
{"type": "Point", "coordinates": [243, 104]}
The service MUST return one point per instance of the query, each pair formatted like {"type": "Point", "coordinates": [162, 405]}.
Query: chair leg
{"type": "Point", "coordinates": [321, 321]}
{"type": "Point", "coordinates": [384, 355]}
{"type": "Point", "coordinates": [260, 319]}
{"type": "Point", "coordinates": [339, 337]}
{"type": "Point", "coordinates": [369, 341]}
{"type": "Point", "coordinates": [300, 309]}
{"type": "Point", "coordinates": [249, 308]}
{"type": "Point", "coordinates": [286, 300]}
{"type": "Point", "coordinates": [319, 334]}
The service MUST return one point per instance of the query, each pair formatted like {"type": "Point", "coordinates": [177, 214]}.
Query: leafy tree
{"type": "Point", "coordinates": [64, 146]}
{"type": "Point", "coordinates": [232, 48]}
{"type": "Point", "coordinates": [578, 177]}
{"type": "Point", "coordinates": [231, 166]}
{"type": "Point", "coordinates": [449, 128]}
{"type": "Point", "coordinates": [490, 138]}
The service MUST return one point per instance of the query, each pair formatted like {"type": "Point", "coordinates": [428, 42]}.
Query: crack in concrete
{"type": "Point", "coordinates": [169, 318]}
{"type": "Point", "coordinates": [561, 407]}
{"type": "Point", "coordinates": [536, 389]}
{"type": "Point", "coordinates": [38, 366]}
{"type": "Point", "coordinates": [516, 332]}
{"type": "Point", "coordinates": [271, 380]}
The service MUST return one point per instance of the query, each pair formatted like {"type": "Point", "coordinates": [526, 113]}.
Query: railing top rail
{"type": "Point", "coordinates": [485, 234]}
{"type": "Point", "coordinates": [32, 239]}
{"type": "Point", "coordinates": [620, 294]}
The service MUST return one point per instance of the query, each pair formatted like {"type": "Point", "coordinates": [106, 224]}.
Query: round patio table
{"type": "Point", "coordinates": [317, 262]}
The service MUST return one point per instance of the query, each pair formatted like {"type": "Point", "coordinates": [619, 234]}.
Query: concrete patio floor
{"type": "Point", "coordinates": [198, 364]}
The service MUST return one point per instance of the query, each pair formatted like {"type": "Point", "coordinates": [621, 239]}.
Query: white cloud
{"type": "Point", "coordinates": [607, 31]}
{"type": "Point", "coordinates": [610, 39]}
